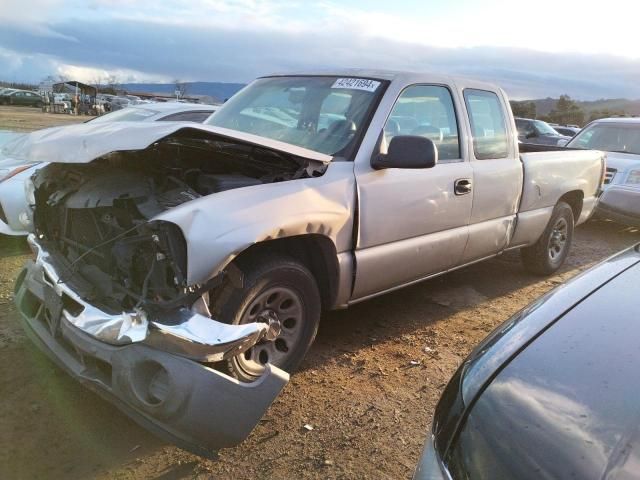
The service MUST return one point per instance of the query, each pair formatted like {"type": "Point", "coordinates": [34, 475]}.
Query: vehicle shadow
{"type": "Point", "coordinates": [434, 301]}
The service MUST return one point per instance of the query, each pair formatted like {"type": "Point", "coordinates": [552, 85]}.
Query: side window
{"type": "Point", "coordinates": [488, 125]}
{"type": "Point", "coordinates": [585, 138]}
{"type": "Point", "coordinates": [524, 127]}
{"type": "Point", "coordinates": [426, 110]}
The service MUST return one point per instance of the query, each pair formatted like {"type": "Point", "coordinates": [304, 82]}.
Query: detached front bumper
{"type": "Point", "coordinates": [189, 404]}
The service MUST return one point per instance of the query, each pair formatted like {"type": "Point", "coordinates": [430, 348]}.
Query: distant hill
{"type": "Point", "coordinates": [217, 90]}
{"type": "Point", "coordinates": [630, 107]}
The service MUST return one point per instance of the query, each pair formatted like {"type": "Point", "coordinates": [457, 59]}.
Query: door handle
{"type": "Point", "coordinates": [462, 186]}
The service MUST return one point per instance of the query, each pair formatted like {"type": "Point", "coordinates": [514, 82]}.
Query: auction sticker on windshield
{"type": "Point", "coordinates": [356, 84]}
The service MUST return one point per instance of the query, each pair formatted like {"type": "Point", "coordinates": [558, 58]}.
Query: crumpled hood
{"type": "Point", "coordinates": [85, 142]}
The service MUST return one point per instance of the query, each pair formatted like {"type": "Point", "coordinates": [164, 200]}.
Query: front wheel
{"type": "Point", "coordinates": [550, 251]}
{"type": "Point", "coordinates": [282, 292]}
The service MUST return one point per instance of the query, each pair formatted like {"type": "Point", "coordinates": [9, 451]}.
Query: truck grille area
{"type": "Point", "coordinates": [105, 240]}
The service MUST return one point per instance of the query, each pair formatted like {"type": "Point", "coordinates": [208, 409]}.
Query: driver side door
{"type": "Point", "coordinates": [413, 223]}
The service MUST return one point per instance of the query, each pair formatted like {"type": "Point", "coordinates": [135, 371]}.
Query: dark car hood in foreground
{"type": "Point", "coordinates": [568, 404]}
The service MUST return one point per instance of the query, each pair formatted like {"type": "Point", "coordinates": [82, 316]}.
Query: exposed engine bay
{"type": "Point", "coordinates": [95, 218]}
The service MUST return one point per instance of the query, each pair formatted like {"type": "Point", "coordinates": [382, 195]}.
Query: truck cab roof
{"type": "Point", "coordinates": [397, 76]}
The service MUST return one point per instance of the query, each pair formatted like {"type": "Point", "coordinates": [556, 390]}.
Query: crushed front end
{"type": "Point", "coordinates": [107, 298]}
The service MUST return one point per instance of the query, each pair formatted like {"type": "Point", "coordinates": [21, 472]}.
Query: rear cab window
{"type": "Point", "coordinates": [488, 124]}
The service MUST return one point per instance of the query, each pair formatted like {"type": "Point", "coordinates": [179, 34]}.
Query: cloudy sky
{"type": "Point", "coordinates": [533, 48]}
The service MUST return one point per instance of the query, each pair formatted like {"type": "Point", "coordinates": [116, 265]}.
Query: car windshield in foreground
{"type": "Point", "coordinates": [323, 114]}
{"type": "Point", "coordinates": [126, 115]}
{"type": "Point", "coordinates": [609, 137]}
{"type": "Point", "coordinates": [544, 128]}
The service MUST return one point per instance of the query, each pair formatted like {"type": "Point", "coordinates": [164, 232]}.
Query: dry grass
{"type": "Point", "coordinates": [27, 119]}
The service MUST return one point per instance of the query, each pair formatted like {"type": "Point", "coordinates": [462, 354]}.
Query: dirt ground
{"type": "Point", "coordinates": [27, 119]}
{"type": "Point", "coordinates": [360, 388]}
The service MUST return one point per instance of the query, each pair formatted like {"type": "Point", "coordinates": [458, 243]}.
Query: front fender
{"type": "Point", "coordinates": [220, 226]}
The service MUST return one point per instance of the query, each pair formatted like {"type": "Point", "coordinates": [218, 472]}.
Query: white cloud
{"type": "Point", "coordinates": [93, 75]}
{"type": "Point", "coordinates": [237, 40]}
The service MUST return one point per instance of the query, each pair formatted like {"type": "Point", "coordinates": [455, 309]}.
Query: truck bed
{"type": "Point", "coordinates": [581, 173]}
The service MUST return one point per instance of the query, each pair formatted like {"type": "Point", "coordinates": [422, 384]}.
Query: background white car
{"type": "Point", "coordinates": [15, 214]}
{"type": "Point", "coordinates": [620, 137]}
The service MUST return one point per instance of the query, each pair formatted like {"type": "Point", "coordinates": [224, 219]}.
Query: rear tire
{"type": "Point", "coordinates": [548, 254]}
{"type": "Point", "coordinates": [278, 290]}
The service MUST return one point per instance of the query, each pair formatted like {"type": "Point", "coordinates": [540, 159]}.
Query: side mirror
{"type": "Point", "coordinates": [563, 142]}
{"type": "Point", "coordinates": [407, 151]}
{"type": "Point", "coordinates": [532, 134]}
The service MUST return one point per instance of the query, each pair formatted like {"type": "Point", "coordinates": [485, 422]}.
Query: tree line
{"type": "Point", "coordinates": [109, 84]}
{"type": "Point", "coordinates": [565, 112]}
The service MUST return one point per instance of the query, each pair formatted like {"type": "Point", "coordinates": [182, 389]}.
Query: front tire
{"type": "Point", "coordinates": [282, 292]}
{"type": "Point", "coordinates": [548, 254]}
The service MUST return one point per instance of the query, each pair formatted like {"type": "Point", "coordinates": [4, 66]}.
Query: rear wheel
{"type": "Point", "coordinates": [550, 251]}
{"type": "Point", "coordinates": [278, 291]}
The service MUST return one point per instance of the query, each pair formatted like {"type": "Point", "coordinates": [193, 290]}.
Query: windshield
{"type": "Point", "coordinates": [323, 114]}
{"type": "Point", "coordinates": [544, 128]}
{"type": "Point", "coordinates": [126, 115]}
{"type": "Point", "coordinates": [609, 137]}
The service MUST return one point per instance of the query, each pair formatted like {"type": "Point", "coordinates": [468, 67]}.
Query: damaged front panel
{"type": "Point", "coordinates": [129, 246]}
{"type": "Point", "coordinates": [96, 219]}
{"type": "Point", "coordinates": [186, 402]}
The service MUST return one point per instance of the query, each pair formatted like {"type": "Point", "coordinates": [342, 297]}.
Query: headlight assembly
{"type": "Point", "coordinates": [633, 178]}
{"type": "Point", "coordinates": [30, 192]}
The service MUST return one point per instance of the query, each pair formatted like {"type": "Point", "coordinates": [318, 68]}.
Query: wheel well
{"type": "Point", "coordinates": [316, 252]}
{"type": "Point", "coordinates": [574, 199]}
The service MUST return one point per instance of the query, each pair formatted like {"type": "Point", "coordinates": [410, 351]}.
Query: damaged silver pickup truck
{"type": "Point", "coordinates": [180, 271]}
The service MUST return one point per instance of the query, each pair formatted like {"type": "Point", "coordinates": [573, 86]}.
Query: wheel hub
{"type": "Point", "coordinates": [275, 327]}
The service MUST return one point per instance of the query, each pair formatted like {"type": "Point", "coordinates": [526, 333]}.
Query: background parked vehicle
{"type": "Point", "coordinates": [15, 215]}
{"type": "Point", "coordinates": [566, 130]}
{"type": "Point", "coordinates": [620, 137]}
{"type": "Point", "coordinates": [134, 100]}
{"type": "Point", "coordinates": [538, 132]}
{"type": "Point", "coordinates": [63, 102]}
{"type": "Point", "coordinates": [118, 103]}
{"type": "Point", "coordinates": [152, 112]}
{"type": "Point", "coordinates": [286, 202]}
{"type": "Point", "coordinates": [551, 393]}
{"type": "Point", "coordinates": [21, 98]}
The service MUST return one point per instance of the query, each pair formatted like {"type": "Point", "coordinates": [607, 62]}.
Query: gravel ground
{"type": "Point", "coordinates": [368, 403]}
{"type": "Point", "coordinates": [368, 386]}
